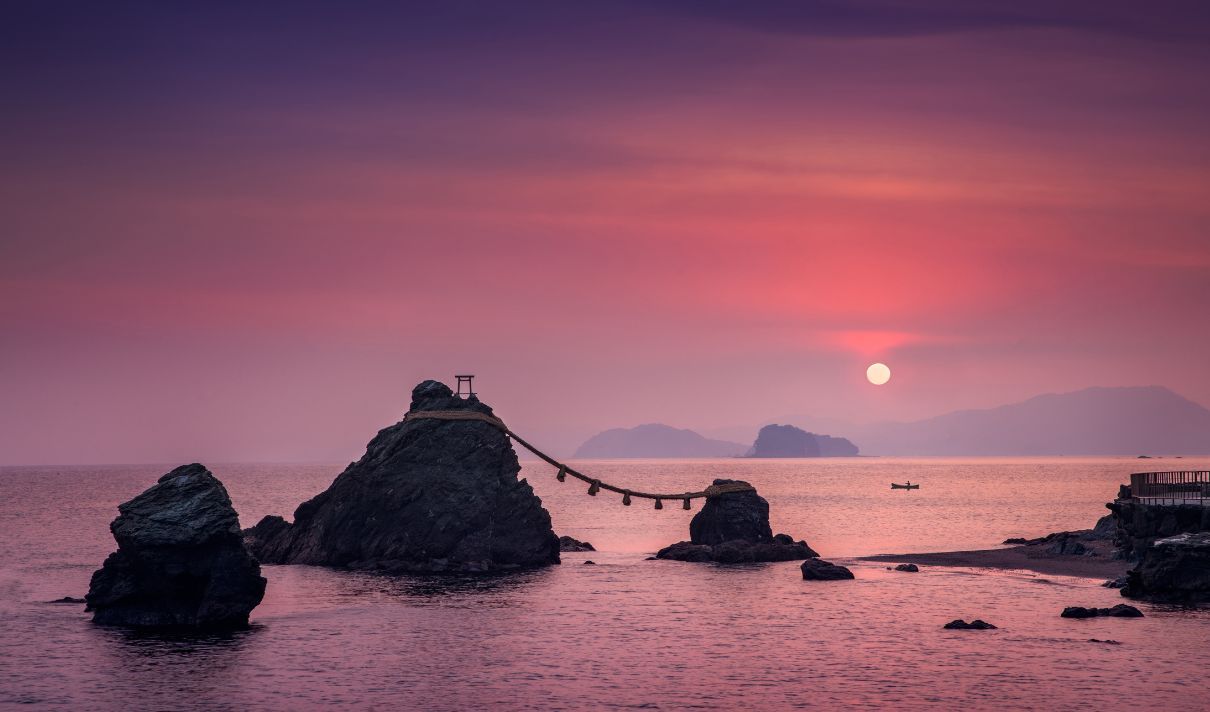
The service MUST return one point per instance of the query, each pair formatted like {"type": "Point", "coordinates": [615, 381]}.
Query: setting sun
{"type": "Point", "coordinates": [878, 373]}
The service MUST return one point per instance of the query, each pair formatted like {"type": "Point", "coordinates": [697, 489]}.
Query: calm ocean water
{"type": "Point", "coordinates": [627, 633]}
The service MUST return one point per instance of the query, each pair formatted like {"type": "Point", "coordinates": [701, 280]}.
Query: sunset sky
{"type": "Point", "coordinates": [244, 231]}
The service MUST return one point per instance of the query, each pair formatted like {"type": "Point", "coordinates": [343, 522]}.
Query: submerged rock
{"type": "Point", "coordinates": [1119, 611]}
{"type": "Point", "coordinates": [820, 570]}
{"type": "Point", "coordinates": [977, 624]}
{"type": "Point", "coordinates": [180, 560]}
{"type": "Point", "coordinates": [567, 543]}
{"type": "Point", "coordinates": [910, 568]}
{"type": "Point", "coordinates": [1176, 570]}
{"type": "Point", "coordinates": [733, 527]}
{"type": "Point", "coordinates": [428, 496]}
{"type": "Point", "coordinates": [68, 599]}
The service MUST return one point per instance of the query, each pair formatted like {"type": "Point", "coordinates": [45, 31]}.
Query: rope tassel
{"type": "Point", "coordinates": [562, 476]}
{"type": "Point", "coordinates": [626, 498]}
{"type": "Point", "coordinates": [596, 487]}
{"type": "Point", "coordinates": [686, 503]}
{"type": "Point", "coordinates": [659, 504]}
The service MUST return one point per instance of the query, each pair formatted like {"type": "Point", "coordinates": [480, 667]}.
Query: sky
{"type": "Point", "coordinates": [244, 231]}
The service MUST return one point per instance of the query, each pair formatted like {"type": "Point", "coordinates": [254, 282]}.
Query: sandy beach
{"type": "Point", "coordinates": [1027, 557]}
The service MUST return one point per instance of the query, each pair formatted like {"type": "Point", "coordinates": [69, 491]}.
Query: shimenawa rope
{"type": "Point", "coordinates": [595, 485]}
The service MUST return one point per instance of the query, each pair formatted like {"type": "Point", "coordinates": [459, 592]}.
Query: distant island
{"type": "Point", "coordinates": [789, 441]}
{"type": "Point", "coordinates": [658, 440]}
{"type": "Point", "coordinates": [655, 440]}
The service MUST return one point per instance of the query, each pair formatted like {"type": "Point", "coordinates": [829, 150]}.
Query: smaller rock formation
{"type": "Point", "coordinates": [181, 561]}
{"type": "Point", "coordinates": [789, 441]}
{"type": "Point", "coordinates": [1175, 570]}
{"type": "Point", "coordinates": [910, 568]}
{"type": "Point", "coordinates": [820, 570]}
{"type": "Point", "coordinates": [68, 599]}
{"type": "Point", "coordinates": [733, 527]}
{"type": "Point", "coordinates": [1107, 642]}
{"type": "Point", "coordinates": [567, 543]}
{"type": "Point", "coordinates": [959, 624]}
{"type": "Point", "coordinates": [1119, 611]}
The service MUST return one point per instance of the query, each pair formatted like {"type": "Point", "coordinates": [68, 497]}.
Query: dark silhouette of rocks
{"type": "Point", "coordinates": [428, 496]}
{"type": "Point", "coordinates": [734, 528]}
{"type": "Point", "coordinates": [1074, 543]}
{"type": "Point", "coordinates": [1119, 611]}
{"type": "Point", "coordinates": [977, 624]}
{"type": "Point", "coordinates": [655, 440]}
{"type": "Point", "coordinates": [68, 599]}
{"type": "Point", "coordinates": [181, 561]}
{"type": "Point", "coordinates": [820, 570]}
{"type": "Point", "coordinates": [789, 441]}
{"type": "Point", "coordinates": [910, 568]}
{"type": "Point", "coordinates": [1140, 524]}
{"type": "Point", "coordinates": [1173, 570]}
{"type": "Point", "coordinates": [567, 543]}
{"type": "Point", "coordinates": [589, 562]}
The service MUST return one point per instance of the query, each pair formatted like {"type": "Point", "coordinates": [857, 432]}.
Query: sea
{"type": "Point", "coordinates": [627, 633]}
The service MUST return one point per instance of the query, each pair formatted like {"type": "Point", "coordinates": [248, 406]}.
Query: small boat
{"type": "Point", "coordinates": [909, 485]}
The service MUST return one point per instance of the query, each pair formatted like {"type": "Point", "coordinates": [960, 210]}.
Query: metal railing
{"type": "Point", "coordinates": [1174, 487]}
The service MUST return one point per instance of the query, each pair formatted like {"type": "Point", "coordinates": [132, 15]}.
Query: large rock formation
{"type": "Point", "coordinates": [733, 527]}
{"type": "Point", "coordinates": [789, 441]}
{"type": "Point", "coordinates": [429, 496]}
{"type": "Point", "coordinates": [1176, 570]}
{"type": "Point", "coordinates": [180, 561]}
{"type": "Point", "coordinates": [1139, 524]}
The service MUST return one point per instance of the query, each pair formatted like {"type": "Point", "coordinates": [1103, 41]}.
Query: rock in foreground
{"type": "Point", "coordinates": [567, 543]}
{"type": "Point", "coordinates": [181, 561]}
{"type": "Point", "coordinates": [733, 527]}
{"type": "Point", "coordinates": [820, 570]}
{"type": "Point", "coordinates": [977, 624]}
{"type": "Point", "coordinates": [1175, 570]}
{"type": "Point", "coordinates": [1119, 611]}
{"type": "Point", "coordinates": [429, 496]}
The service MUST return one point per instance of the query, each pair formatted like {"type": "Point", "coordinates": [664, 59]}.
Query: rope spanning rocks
{"type": "Point", "coordinates": [733, 527]}
{"type": "Point", "coordinates": [437, 492]}
{"type": "Point", "coordinates": [595, 485]}
{"type": "Point", "coordinates": [180, 560]}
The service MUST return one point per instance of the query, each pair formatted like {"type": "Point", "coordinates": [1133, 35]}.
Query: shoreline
{"type": "Point", "coordinates": [1026, 557]}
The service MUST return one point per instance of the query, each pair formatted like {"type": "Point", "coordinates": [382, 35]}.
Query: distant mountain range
{"type": "Point", "coordinates": [655, 440]}
{"type": "Point", "coordinates": [1094, 421]}
{"type": "Point", "coordinates": [1142, 420]}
